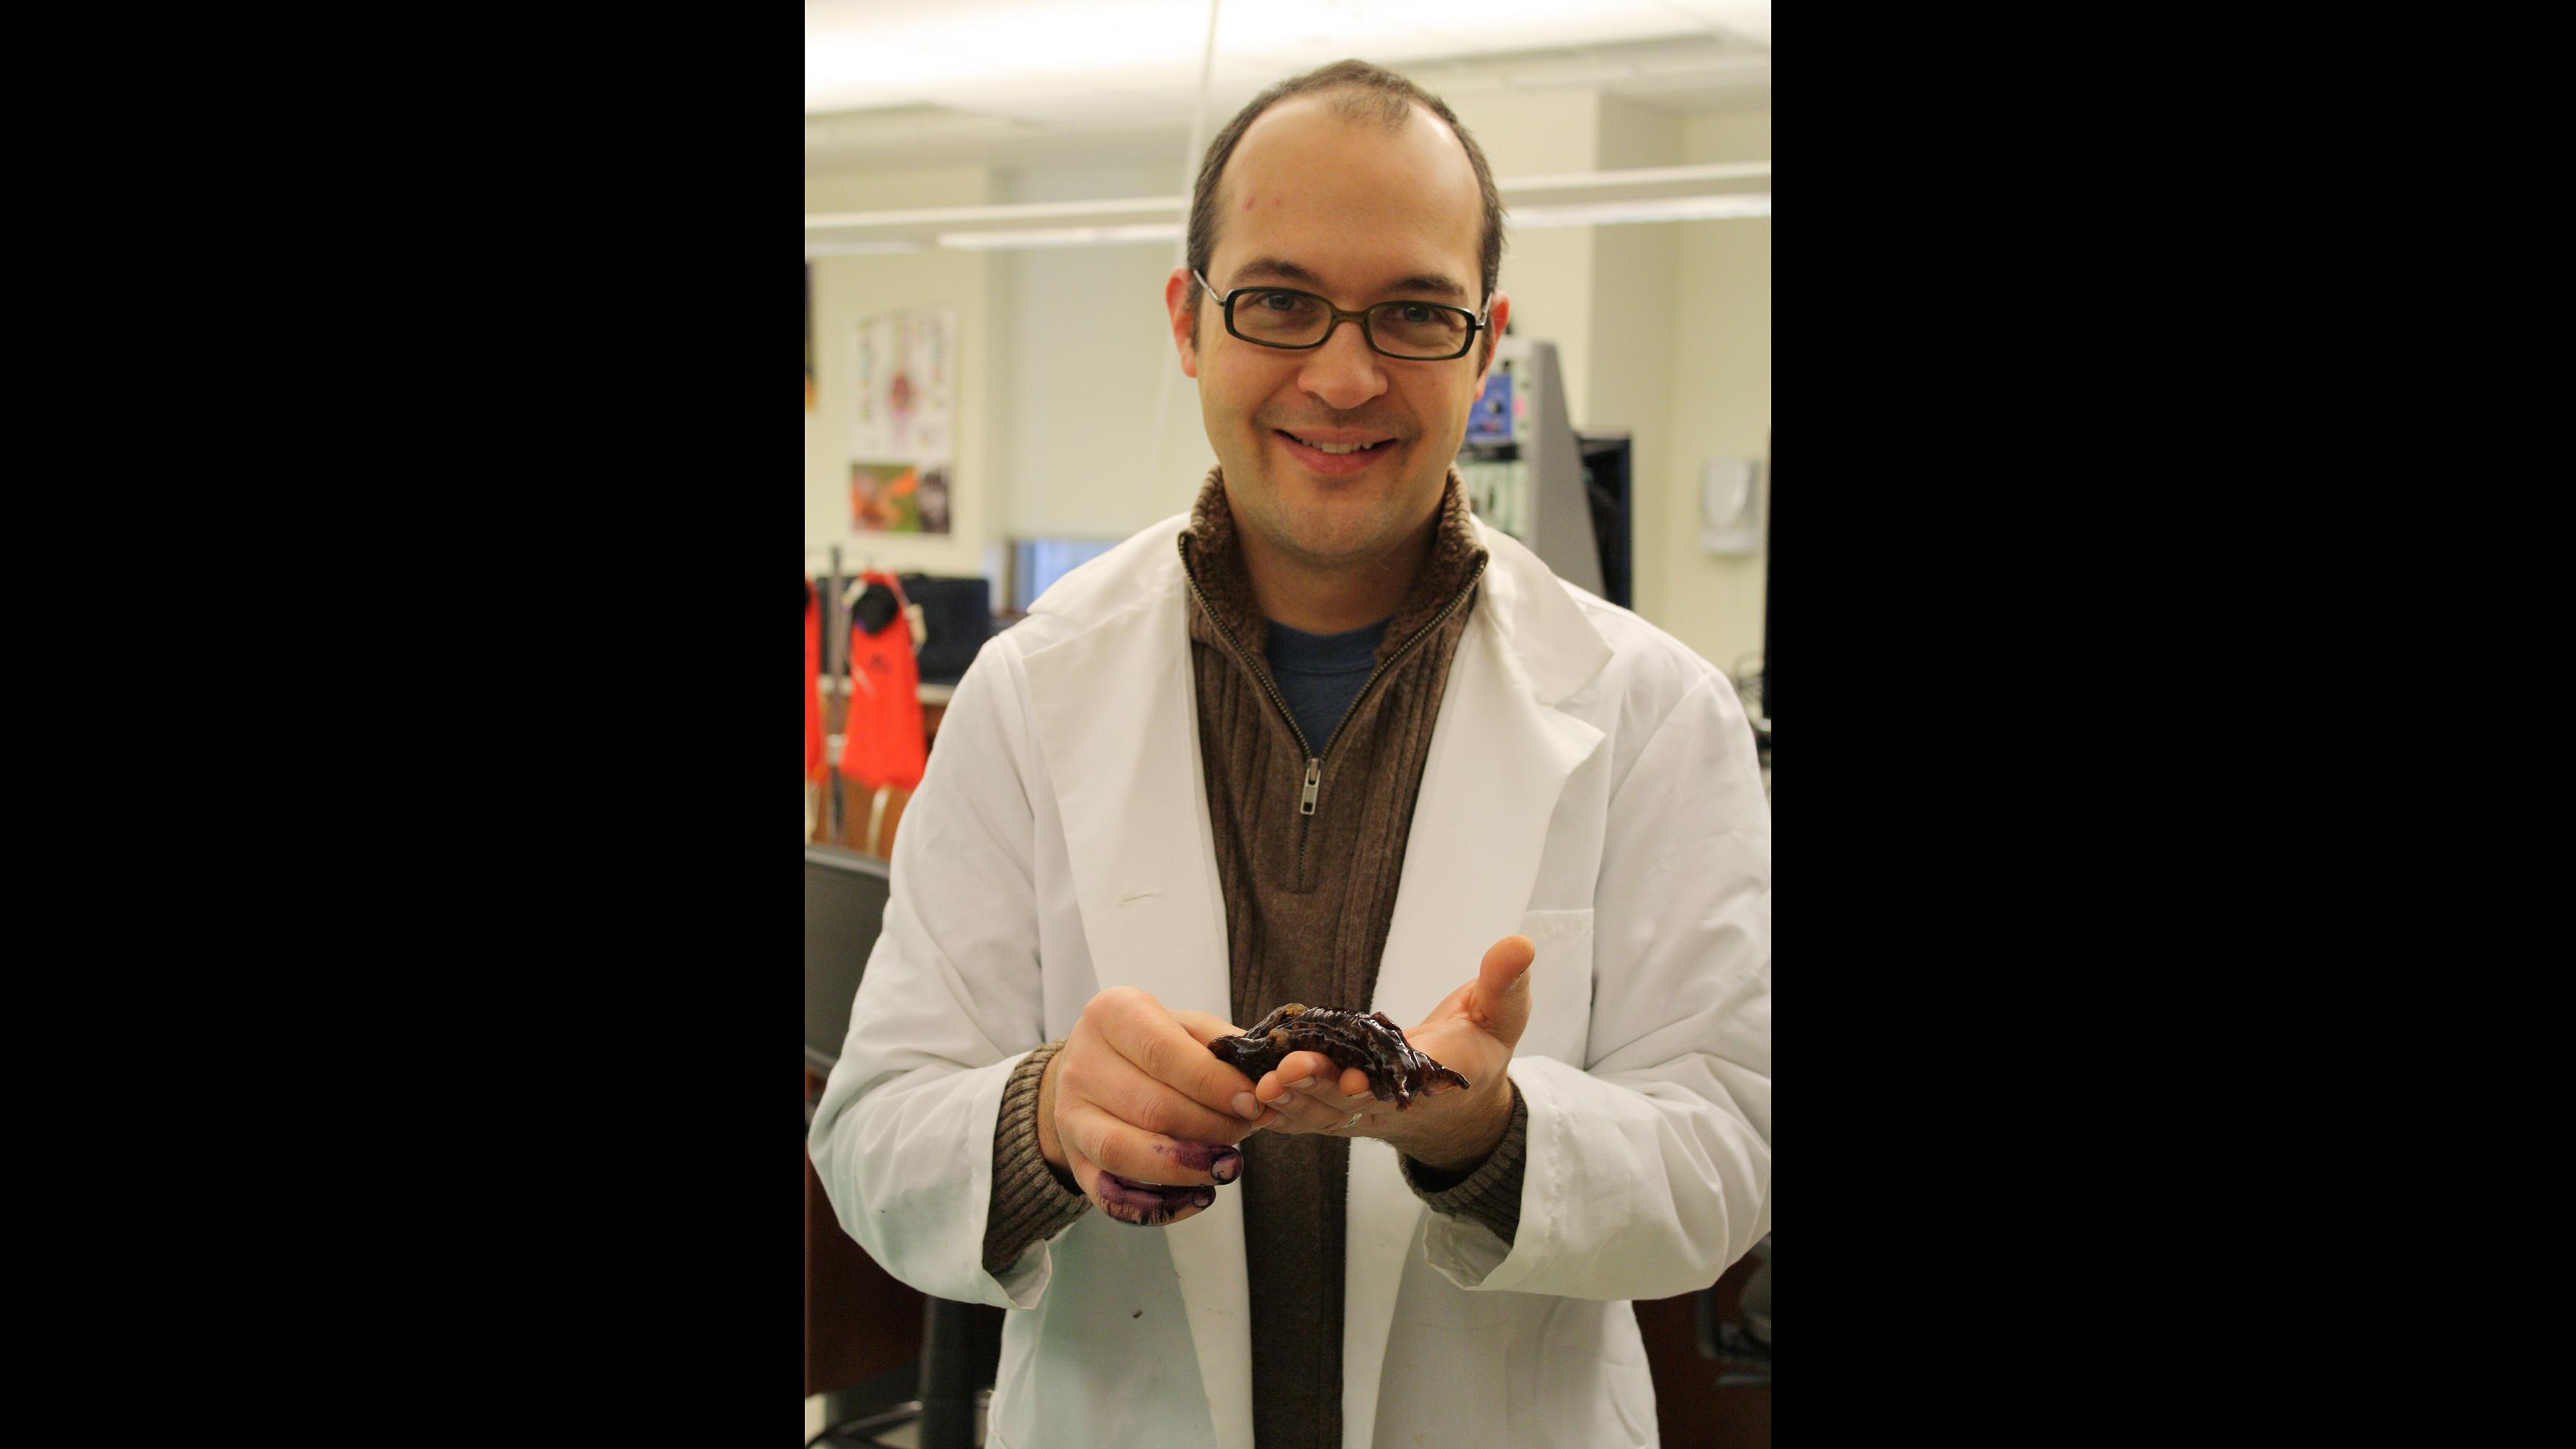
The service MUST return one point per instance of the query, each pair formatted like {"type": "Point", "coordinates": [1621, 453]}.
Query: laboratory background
{"type": "Point", "coordinates": [995, 191]}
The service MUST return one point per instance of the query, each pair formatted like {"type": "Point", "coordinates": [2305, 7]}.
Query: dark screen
{"type": "Point", "coordinates": [845, 900]}
{"type": "Point", "coordinates": [1605, 488]}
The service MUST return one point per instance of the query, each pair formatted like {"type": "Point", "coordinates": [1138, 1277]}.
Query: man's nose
{"type": "Point", "coordinates": [1344, 372]}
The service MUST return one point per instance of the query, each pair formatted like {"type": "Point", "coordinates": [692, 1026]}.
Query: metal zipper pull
{"type": "Point", "coordinates": [1314, 780]}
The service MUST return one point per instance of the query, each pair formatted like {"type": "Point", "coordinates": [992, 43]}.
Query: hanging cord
{"type": "Point", "coordinates": [1189, 181]}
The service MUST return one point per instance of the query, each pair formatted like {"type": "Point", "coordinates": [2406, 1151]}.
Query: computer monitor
{"type": "Point", "coordinates": [845, 901]}
{"type": "Point", "coordinates": [957, 616]}
{"type": "Point", "coordinates": [1606, 461]}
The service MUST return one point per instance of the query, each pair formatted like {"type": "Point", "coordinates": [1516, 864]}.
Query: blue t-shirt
{"type": "Point", "coordinates": [1322, 673]}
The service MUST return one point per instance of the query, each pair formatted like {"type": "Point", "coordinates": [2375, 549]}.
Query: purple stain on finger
{"type": "Point", "coordinates": [1223, 1163]}
{"type": "Point", "coordinates": [1145, 1204]}
{"type": "Point", "coordinates": [1118, 1192]}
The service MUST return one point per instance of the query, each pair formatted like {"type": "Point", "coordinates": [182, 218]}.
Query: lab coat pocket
{"type": "Point", "coordinates": [1560, 985]}
{"type": "Point", "coordinates": [1443, 1385]}
{"type": "Point", "coordinates": [1578, 1374]}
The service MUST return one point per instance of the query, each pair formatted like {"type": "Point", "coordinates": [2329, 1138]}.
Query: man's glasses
{"type": "Point", "coordinates": [1281, 317]}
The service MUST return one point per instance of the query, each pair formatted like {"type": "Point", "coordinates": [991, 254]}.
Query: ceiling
{"type": "Point", "coordinates": [1015, 82]}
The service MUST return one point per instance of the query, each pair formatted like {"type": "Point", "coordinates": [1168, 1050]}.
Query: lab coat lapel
{"type": "Point", "coordinates": [1500, 755]}
{"type": "Point", "coordinates": [1116, 715]}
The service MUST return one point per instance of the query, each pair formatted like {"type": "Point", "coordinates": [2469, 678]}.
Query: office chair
{"type": "Point", "coordinates": [961, 1350]}
{"type": "Point", "coordinates": [1742, 1350]}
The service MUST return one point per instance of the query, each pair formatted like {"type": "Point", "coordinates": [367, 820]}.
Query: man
{"type": "Point", "coordinates": [1326, 740]}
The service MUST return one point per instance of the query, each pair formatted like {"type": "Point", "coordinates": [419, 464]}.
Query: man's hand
{"type": "Point", "coordinates": [1141, 1113]}
{"type": "Point", "coordinates": [1473, 1032]}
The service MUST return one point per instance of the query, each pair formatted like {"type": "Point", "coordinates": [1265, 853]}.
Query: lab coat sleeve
{"type": "Point", "coordinates": [1648, 1171]}
{"type": "Point", "coordinates": [949, 1004]}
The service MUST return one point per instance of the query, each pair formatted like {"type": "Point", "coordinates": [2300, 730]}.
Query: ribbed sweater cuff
{"type": "Point", "coordinates": [1028, 1204]}
{"type": "Point", "coordinates": [1492, 1193]}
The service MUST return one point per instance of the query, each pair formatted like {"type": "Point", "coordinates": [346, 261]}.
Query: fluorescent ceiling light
{"type": "Point", "coordinates": [1635, 183]}
{"type": "Point", "coordinates": [858, 248]}
{"type": "Point", "coordinates": [1673, 208]}
{"type": "Point", "coordinates": [1023, 211]}
{"type": "Point", "coordinates": [1062, 236]}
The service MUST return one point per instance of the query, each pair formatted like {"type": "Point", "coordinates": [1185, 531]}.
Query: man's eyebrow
{"type": "Point", "coordinates": [1274, 267]}
{"type": "Point", "coordinates": [1431, 282]}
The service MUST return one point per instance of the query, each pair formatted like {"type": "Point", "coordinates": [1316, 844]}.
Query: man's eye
{"type": "Point", "coordinates": [1279, 301]}
{"type": "Point", "coordinates": [1417, 312]}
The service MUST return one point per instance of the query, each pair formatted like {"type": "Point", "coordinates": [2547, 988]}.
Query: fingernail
{"type": "Point", "coordinates": [1247, 1106]}
{"type": "Point", "coordinates": [1227, 1167]}
{"type": "Point", "coordinates": [1206, 1197]}
{"type": "Point", "coordinates": [1301, 1084]}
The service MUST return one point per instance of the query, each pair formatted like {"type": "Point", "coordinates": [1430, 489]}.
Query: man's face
{"type": "Point", "coordinates": [1359, 215]}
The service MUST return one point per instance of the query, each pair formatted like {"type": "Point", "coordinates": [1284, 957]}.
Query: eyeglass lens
{"type": "Point", "coordinates": [1419, 330]}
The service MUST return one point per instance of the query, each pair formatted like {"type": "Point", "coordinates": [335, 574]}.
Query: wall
{"type": "Point", "coordinates": [847, 289]}
{"type": "Point", "coordinates": [1088, 361]}
{"type": "Point", "coordinates": [1548, 272]}
{"type": "Point", "coordinates": [1635, 319]}
{"type": "Point", "coordinates": [1721, 405]}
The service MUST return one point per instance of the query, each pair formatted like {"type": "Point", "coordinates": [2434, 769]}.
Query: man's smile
{"type": "Point", "coordinates": [1336, 452]}
{"type": "Point", "coordinates": [1332, 456]}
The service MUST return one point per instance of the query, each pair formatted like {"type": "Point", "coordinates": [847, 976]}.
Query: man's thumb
{"type": "Point", "coordinates": [1502, 983]}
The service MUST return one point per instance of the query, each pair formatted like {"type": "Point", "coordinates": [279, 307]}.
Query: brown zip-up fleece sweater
{"type": "Point", "coordinates": [1308, 901]}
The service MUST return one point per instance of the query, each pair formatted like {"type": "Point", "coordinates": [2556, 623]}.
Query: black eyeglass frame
{"type": "Point", "coordinates": [1475, 322]}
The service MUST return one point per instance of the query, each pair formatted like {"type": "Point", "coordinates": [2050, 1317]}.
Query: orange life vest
{"type": "Point", "coordinates": [881, 734]}
{"type": "Point", "coordinates": [813, 686]}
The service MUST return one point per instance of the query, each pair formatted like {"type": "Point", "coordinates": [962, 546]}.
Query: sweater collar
{"type": "Point", "coordinates": [1213, 555]}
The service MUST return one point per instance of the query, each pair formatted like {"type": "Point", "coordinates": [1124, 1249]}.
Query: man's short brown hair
{"type": "Point", "coordinates": [1360, 92]}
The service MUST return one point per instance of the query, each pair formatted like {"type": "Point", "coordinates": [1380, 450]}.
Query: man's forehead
{"type": "Point", "coordinates": [1319, 199]}
{"type": "Point", "coordinates": [1299, 125]}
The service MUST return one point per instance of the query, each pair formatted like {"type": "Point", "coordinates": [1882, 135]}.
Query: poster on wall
{"type": "Point", "coordinates": [904, 429]}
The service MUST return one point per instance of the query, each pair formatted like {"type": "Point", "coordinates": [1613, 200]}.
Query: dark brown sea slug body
{"type": "Point", "coordinates": [1372, 1043]}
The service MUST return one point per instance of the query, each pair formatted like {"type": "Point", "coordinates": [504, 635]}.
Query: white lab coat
{"type": "Point", "coordinates": [1591, 783]}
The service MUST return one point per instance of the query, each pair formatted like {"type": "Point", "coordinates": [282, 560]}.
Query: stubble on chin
{"type": "Point", "coordinates": [1330, 533]}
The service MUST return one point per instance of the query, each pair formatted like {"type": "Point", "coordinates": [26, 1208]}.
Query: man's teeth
{"type": "Point", "coordinates": [1335, 447]}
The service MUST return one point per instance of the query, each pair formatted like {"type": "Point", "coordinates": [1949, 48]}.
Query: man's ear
{"type": "Point", "coordinates": [1500, 313]}
{"type": "Point", "coordinates": [1177, 292]}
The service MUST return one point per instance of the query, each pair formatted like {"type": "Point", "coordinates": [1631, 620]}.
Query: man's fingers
{"type": "Point", "coordinates": [1322, 1070]}
{"type": "Point", "coordinates": [1295, 1106]}
{"type": "Point", "coordinates": [1125, 1091]}
{"type": "Point", "coordinates": [1161, 1047]}
{"type": "Point", "coordinates": [1138, 1203]}
{"type": "Point", "coordinates": [1147, 1158]}
{"type": "Point", "coordinates": [1302, 1114]}
{"type": "Point", "coordinates": [1319, 1107]}
{"type": "Point", "coordinates": [1147, 1206]}
{"type": "Point", "coordinates": [1204, 1027]}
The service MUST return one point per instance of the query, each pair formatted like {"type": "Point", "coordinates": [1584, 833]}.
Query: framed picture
{"type": "Point", "coordinates": [903, 425]}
